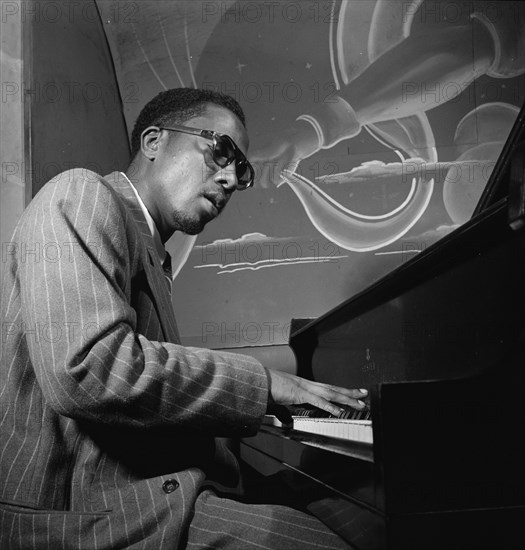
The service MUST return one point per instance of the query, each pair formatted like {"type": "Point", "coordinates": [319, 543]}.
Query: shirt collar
{"type": "Point", "coordinates": [159, 247]}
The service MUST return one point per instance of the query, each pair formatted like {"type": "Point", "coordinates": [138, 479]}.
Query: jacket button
{"type": "Point", "coordinates": [170, 485]}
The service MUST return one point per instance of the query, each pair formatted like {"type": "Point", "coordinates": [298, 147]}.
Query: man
{"type": "Point", "coordinates": [107, 424]}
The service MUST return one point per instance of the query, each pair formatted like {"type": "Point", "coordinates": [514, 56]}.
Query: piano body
{"type": "Point", "coordinates": [440, 345]}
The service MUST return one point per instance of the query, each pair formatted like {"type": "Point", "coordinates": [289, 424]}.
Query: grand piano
{"type": "Point", "coordinates": [437, 461]}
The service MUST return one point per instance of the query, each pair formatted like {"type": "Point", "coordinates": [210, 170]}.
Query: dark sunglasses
{"type": "Point", "coordinates": [224, 152]}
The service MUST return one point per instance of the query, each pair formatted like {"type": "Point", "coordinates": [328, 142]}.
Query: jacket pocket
{"type": "Point", "coordinates": [25, 526]}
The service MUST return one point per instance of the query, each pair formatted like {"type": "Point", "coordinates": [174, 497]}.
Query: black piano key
{"type": "Point", "coordinates": [349, 413]}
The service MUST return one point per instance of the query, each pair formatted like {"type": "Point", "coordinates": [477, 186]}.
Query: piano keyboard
{"type": "Point", "coordinates": [339, 428]}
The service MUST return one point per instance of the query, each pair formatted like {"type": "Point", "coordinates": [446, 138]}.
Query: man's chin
{"type": "Point", "coordinates": [192, 231]}
{"type": "Point", "coordinates": [192, 227]}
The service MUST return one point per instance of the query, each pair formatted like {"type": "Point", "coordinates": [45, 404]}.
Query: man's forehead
{"type": "Point", "coordinates": [223, 121]}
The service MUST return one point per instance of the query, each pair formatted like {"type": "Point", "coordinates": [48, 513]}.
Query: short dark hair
{"type": "Point", "coordinates": [178, 105]}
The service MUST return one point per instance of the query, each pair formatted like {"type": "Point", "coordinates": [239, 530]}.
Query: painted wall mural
{"type": "Point", "coordinates": [374, 127]}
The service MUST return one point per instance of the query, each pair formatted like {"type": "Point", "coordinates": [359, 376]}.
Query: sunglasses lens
{"type": "Point", "coordinates": [225, 152]}
{"type": "Point", "coordinates": [244, 175]}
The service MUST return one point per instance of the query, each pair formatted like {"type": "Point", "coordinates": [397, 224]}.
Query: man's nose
{"type": "Point", "coordinates": [227, 177]}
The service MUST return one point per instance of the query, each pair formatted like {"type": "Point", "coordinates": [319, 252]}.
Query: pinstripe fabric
{"type": "Point", "coordinates": [225, 524]}
{"type": "Point", "coordinates": [100, 405]}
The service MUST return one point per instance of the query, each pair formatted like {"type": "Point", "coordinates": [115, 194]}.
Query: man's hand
{"type": "Point", "coordinates": [287, 389]}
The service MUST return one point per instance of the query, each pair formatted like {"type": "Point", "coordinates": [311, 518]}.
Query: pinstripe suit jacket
{"type": "Point", "coordinates": [107, 423]}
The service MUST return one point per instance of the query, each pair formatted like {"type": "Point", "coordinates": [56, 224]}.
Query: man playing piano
{"type": "Point", "coordinates": [108, 424]}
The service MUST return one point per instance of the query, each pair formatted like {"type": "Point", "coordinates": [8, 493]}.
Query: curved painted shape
{"type": "Point", "coordinates": [390, 25]}
{"type": "Point", "coordinates": [480, 134]}
{"type": "Point", "coordinates": [487, 122]}
{"type": "Point", "coordinates": [350, 230]}
{"type": "Point", "coordinates": [411, 134]}
{"type": "Point", "coordinates": [366, 30]}
{"type": "Point", "coordinates": [381, 25]}
{"type": "Point", "coordinates": [352, 34]}
{"type": "Point", "coordinates": [358, 232]}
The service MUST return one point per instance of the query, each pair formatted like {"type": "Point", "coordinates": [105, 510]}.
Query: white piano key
{"type": "Point", "coordinates": [351, 430]}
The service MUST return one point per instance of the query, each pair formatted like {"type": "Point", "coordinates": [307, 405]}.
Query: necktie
{"type": "Point", "coordinates": [166, 266]}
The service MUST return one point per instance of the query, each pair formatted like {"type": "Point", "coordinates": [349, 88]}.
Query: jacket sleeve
{"type": "Point", "coordinates": [81, 329]}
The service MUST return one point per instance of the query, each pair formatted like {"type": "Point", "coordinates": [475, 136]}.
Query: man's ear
{"type": "Point", "coordinates": [150, 141]}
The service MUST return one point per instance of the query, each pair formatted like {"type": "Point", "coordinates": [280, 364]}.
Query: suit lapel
{"type": "Point", "coordinates": [152, 266]}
